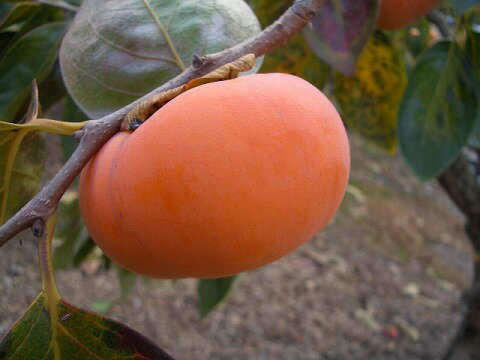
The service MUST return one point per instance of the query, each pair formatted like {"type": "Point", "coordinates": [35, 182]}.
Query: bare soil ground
{"type": "Point", "coordinates": [383, 281]}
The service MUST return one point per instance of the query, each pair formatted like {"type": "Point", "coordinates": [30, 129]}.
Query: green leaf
{"type": "Point", "coordinates": [75, 334]}
{"type": "Point", "coordinates": [472, 50]}
{"type": "Point", "coordinates": [19, 11]}
{"type": "Point", "coordinates": [27, 170]}
{"type": "Point", "coordinates": [438, 110]}
{"type": "Point", "coordinates": [31, 57]}
{"type": "Point", "coordinates": [5, 40]}
{"type": "Point", "coordinates": [370, 99]}
{"type": "Point", "coordinates": [472, 47]}
{"type": "Point", "coordinates": [127, 280]}
{"type": "Point", "coordinates": [51, 91]}
{"type": "Point", "coordinates": [339, 31]}
{"type": "Point", "coordinates": [211, 292]}
{"type": "Point", "coordinates": [20, 165]}
{"type": "Point", "coordinates": [128, 47]}
{"type": "Point", "coordinates": [44, 15]}
{"type": "Point", "coordinates": [474, 140]}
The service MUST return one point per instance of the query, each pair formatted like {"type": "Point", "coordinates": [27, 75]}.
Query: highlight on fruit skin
{"type": "Point", "coordinates": [395, 14]}
{"type": "Point", "coordinates": [226, 177]}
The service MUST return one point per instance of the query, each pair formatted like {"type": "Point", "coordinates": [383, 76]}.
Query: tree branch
{"type": "Point", "coordinates": [463, 187]}
{"type": "Point", "coordinates": [96, 133]}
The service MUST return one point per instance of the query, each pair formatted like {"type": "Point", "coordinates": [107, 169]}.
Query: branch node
{"type": "Point", "coordinates": [197, 61]}
{"type": "Point", "coordinates": [200, 61]}
{"type": "Point", "coordinates": [77, 135]}
{"type": "Point", "coordinates": [38, 227]}
{"type": "Point", "coordinates": [303, 13]}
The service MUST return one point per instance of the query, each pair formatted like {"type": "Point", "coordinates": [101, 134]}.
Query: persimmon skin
{"type": "Point", "coordinates": [395, 14]}
{"type": "Point", "coordinates": [224, 178]}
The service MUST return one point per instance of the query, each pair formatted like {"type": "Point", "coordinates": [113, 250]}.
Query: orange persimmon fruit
{"type": "Point", "coordinates": [395, 14]}
{"type": "Point", "coordinates": [226, 177]}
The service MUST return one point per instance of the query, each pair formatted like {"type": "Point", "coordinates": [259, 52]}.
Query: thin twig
{"type": "Point", "coordinates": [96, 133]}
{"type": "Point", "coordinates": [59, 4]}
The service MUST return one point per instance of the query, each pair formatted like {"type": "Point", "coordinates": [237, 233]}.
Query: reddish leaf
{"type": "Point", "coordinates": [340, 30]}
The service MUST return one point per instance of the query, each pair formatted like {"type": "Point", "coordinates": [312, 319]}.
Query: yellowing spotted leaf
{"type": "Point", "coordinates": [369, 100]}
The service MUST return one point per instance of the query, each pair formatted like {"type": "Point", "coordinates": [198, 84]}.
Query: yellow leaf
{"type": "Point", "coordinates": [370, 99]}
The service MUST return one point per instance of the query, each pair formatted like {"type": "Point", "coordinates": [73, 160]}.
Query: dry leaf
{"type": "Point", "coordinates": [148, 107]}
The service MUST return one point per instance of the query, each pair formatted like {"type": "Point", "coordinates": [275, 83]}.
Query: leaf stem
{"type": "Point", "coordinates": [52, 296]}
{"type": "Point", "coordinates": [48, 125]}
{"type": "Point", "coordinates": [171, 47]}
{"type": "Point", "coordinates": [57, 127]}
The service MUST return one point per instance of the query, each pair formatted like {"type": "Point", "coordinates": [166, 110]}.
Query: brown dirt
{"type": "Point", "coordinates": [383, 281]}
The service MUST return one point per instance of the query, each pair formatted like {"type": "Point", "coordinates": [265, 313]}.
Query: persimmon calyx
{"type": "Point", "coordinates": [147, 108]}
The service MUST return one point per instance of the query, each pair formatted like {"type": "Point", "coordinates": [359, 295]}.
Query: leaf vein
{"type": "Point", "coordinates": [75, 340]}
{"type": "Point", "coordinates": [163, 31]}
{"type": "Point", "coordinates": [28, 333]}
{"type": "Point", "coordinates": [120, 48]}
